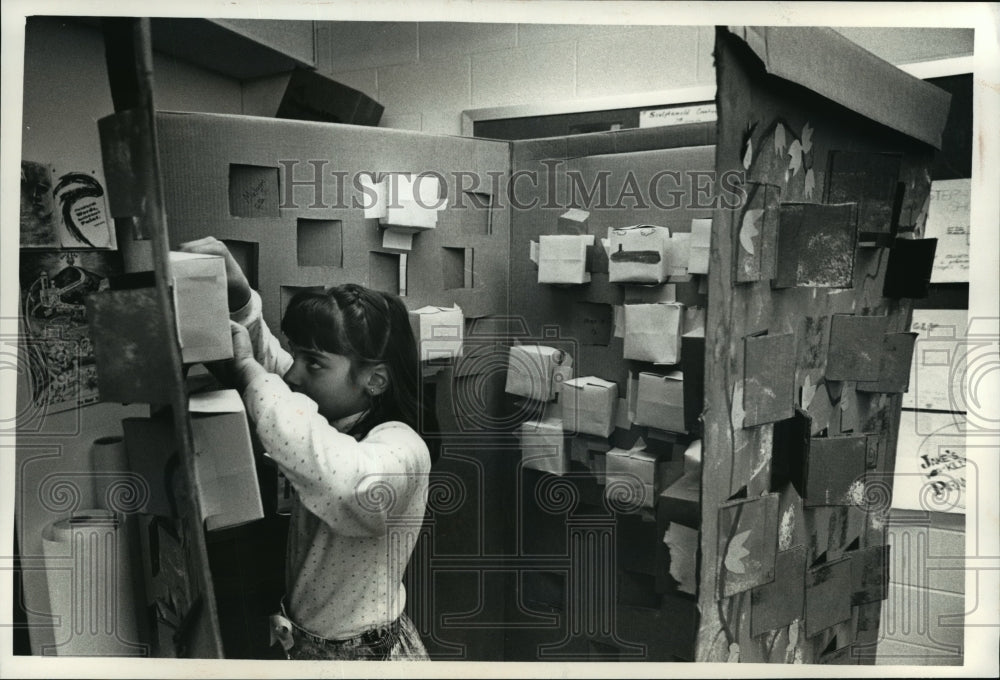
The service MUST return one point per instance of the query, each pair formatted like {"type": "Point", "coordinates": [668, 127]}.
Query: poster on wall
{"type": "Point", "coordinates": [57, 347]}
{"type": "Point", "coordinates": [65, 209]}
{"type": "Point", "coordinates": [930, 463]}
{"type": "Point", "coordinates": [948, 220]}
{"type": "Point", "coordinates": [938, 368]}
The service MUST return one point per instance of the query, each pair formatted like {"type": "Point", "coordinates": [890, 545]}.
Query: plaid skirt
{"type": "Point", "coordinates": [399, 641]}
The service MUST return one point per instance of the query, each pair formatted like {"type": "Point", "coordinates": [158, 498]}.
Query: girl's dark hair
{"type": "Point", "coordinates": [367, 326]}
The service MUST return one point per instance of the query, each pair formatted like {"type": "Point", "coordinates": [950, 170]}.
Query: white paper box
{"type": "Point", "coordinates": [660, 401]}
{"type": "Point", "coordinates": [535, 371]}
{"type": "Point", "coordinates": [701, 236]}
{"type": "Point", "coordinates": [439, 332]}
{"type": "Point", "coordinates": [543, 446]}
{"type": "Point", "coordinates": [409, 215]}
{"type": "Point", "coordinates": [588, 405]}
{"type": "Point", "coordinates": [679, 254]}
{"type": "Point", "coordinates": [640, 475]}
{"type": "Point", "coordinates": [201, 305]}
{"type": "Point", "coordinates": [573, 220]}
{"type": "Point", "coordinates": [653, 332]}
{"type": "Point", "coordinates": [563, 259]}
{"type": "Point", "coordinates": [638, 254]}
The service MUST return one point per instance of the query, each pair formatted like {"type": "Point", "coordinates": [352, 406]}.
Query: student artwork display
{"type": "Point", "coordinates": [562, 259]}
{"type": "Point", "coordinates": [756, 257]}
{"type": "Point", "coordinates": [63, 209]}
{"type": "Point", "coordinates": [948, 221]}
{"type": "Point", "coordinates": [638, 254]}
{"type": "Point", "coordinates": [653, 332]}
{"type": "Point", "coordinates": [60, 357]}
{"type": "Point", "coordinates": [543, 446]}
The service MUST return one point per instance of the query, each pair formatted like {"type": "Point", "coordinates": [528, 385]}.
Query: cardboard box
{"type": "Point", "coordinates": [563, 259]}
{"type": "Point", "coordinates": [573, 221]}
{"type": "Point", "coordinates": [653, 332]}
{"type": "Point", "coordinates": [228, 489]}
{"type": "Point", "coordinates": [535, 371]}
{"type": "Point", "coordinates": [543, 446]}
{"type": "Point", "coordinates": [409, 215]}
{"type": "Point", "coordinates": [701, 240]}
{"type": "Point", "coordinates": [680, 503]}
{"type": "Point", "coordinates": [201, 304]}
{"type": "Point", "coordinates": [678, 254]}
{"type": "Point", "coordinates": [636, 477]}
{"type": "Point", "coordinates": [660, 401]}
{"type": "Point", "coordinates": [588, 405]}
{"type": "Point", "coordinates": [227, 476]}
{"type": "Point", "coordinates": [439, 333]}
{"type": "Point", "coordinates": [638, 254]}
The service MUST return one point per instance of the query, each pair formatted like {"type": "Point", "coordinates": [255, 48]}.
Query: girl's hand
{"type": "Point", "coordinates": [237, 285]}
{"type": "Point", "coordinates": [245, 367]}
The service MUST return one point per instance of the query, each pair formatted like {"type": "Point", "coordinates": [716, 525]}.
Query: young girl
{"type": "Point", "coordinates": [339, 416]}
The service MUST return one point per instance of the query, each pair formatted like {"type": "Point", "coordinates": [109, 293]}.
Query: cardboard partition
{"type": "Point", "coordinates": [130, 339]}
{"type": "Point", "coordinates": [828, 596]}
{"type": "Point", "coordinates": [660, 401]}
{"type": "Point", "coordinates": [563, 259]}
{"type": "Point", "coordinates": [870, 180]}
{"type": "Point", "coordinates": [653, 332]}
{"type": "Point", "coordinates": [543, 446]}
{"type": "Point", "coordinates": [768, 378]}
{"type": "Point", "coordinates": [869, 574]}
{"type": "Point", "coordinates": [835, 471]}
{"type": "Point", "coordinates": [638, 254]}
{"type": "Point", "coordinates": [748, 542]}
{"type": "Point", "coordinates": [536, 371]}
{"type": "Point", "coordinates": [908, 274]}
{"type": "Point", "coordinates": [894, 365]}
{"type": "Point", "coordinates": [856, 346]}
{"type": "Point", "coordinates": [588, 405]}
{"type": "Point", "coordinates": [816, 245]}
{"type": "Point", "coordinates": [439, 332]}
{"type": "Point", "coordinates": [781, 602]}
{"type": "Point", "coordinates": [201, 306]}
{"type": "Point", "coordinates": [756, 256]}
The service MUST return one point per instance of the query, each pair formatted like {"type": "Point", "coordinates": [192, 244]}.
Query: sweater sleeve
{"type": "Point", "coordinates": [266, 348]}
{"type": "Point", "coordinates": [355, 487]}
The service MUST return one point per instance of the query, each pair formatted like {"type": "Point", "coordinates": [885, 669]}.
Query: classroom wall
{"type": "Point", "coordinates": [426, 74]}
{"type": "Point", "coordinates": [65, 92]}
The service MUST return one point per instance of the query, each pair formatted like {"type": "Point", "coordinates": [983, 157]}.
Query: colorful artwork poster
{"type": "Point", "coordinates": [63, 209]}
{"type": "Point", "coordinates": [57, 345]}
{"type": "Point", "coordinates": [38, 214]}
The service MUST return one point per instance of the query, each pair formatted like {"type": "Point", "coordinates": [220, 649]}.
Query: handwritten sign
{"type": "Point", "coordinates": [937, 371]}
{"type": "Point", "coordinates": [678, 115]}
{"type": "Point", "coordinates": [930, 464]}
{"type": "Point", "coordinates": [948, 220]}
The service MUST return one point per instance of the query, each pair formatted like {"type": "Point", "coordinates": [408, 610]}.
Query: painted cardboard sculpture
{"type": "Point", "coordinates": [638, 254]}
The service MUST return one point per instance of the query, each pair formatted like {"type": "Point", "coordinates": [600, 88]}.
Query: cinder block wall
{"type": "Point", "coordinates": [426, 74]}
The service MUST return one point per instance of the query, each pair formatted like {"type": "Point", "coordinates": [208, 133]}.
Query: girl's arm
{"type": "Point", "coordinates": [266, 348]}
{"type": "Point", "coordinates": [355, 487]}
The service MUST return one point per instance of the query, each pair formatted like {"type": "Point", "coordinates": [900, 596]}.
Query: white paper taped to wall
{"type": "Point", "coordinates": [90, 582]}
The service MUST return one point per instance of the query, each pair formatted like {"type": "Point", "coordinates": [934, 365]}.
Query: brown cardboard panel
{"type": "Point", "coordinates": [130, 346]}
{"type": "Point", "coordinates": [383, 272]}
{"type": "Point", "coordinates": [768, 379]}
{"type": "Point", "coordinates": [869, 574]}
{"type": "Point", "coordinates": [816, 245]}
{"type": "Point", "coordinates": [908, 273]}
{"type": "Point", "coordinates": [758, 237]}
{"type": "Point", "coordinates": [834, 471]}
{"type": "Point", "coordinates": [780, 602]}
{"type": "Point", "coordinates": [868, 179]}
{"type": "Point", "coordinates": [748, 538]}
{"type": "Point", "coordinates": [822, 60]}
{"type": "Point", "coordinates": [856, 344]}
{"type": "Point", "coordinates": [820, 408]}
{"type": "Point", "coordinates": [828, 596]}
{"type": "Point", "coordinates": [894, 365]}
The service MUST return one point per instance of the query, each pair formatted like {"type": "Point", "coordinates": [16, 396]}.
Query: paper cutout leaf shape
{"type": "Point", "coordinates": [737, 553]}
{"type": "Point", "coordinates": [810, 186]}
{"type": "Point", "coordinates": [749, 229]}
{"type": "Point", "coordinates": [779, 139]}
{"type": "Point", "coordinates": [807, 135]}
{"type": "Point", "coordinates": [795, 153]}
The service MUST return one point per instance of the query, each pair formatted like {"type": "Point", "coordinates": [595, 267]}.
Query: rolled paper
{"type": "Point", "coordinates": [91, 587]}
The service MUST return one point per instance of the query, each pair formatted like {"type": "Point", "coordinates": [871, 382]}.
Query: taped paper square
{"type": "Point", "coordinates": [660, 401]}
{"type": "Point", "coordinates": [588, 405]}
{"type": "Point", "coordinates": [653, 332]}
{"type": "Point", "coordinates": [563, 259]}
